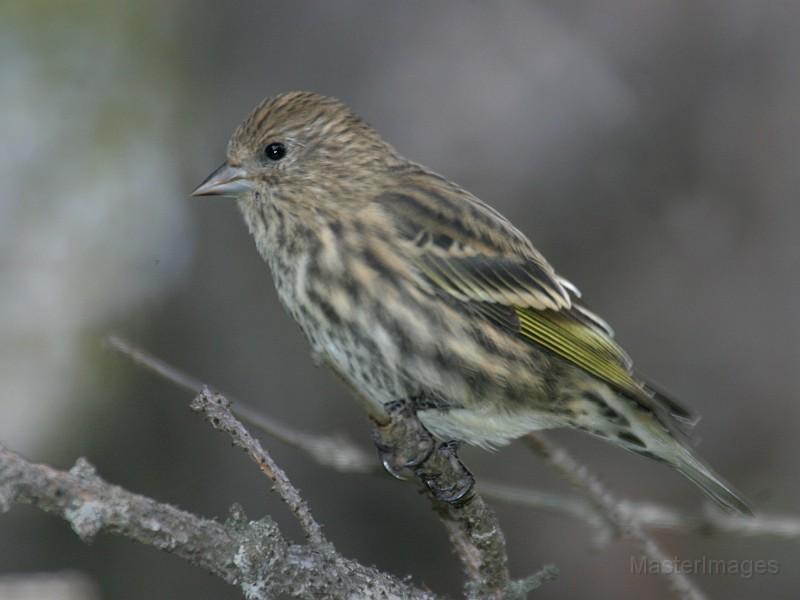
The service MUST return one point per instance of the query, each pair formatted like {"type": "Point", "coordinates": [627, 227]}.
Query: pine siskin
{"type": "Point", "coordinates": [414, 290]}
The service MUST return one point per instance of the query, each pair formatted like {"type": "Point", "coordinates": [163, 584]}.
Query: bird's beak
{"type": "Point", "coordinates": [225, 181]}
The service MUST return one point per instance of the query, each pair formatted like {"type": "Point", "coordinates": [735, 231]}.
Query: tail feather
{"type": "Point", "coordinates": [679, 420]}
{"type": "Point", "coordinates": [719, 490]}
{"type": "Point", "coordinates": [656, 426]}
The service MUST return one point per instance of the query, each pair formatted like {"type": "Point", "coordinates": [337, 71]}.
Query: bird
{"type": "Point", "coordinates": [430, 303]}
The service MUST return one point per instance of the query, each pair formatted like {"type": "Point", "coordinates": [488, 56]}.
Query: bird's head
{"type": "Point", "coordinates": [300, 142]}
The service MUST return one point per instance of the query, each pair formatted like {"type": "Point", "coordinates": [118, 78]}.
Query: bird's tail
{"type": "Point", "coordinates": [662, 432]}
{"type": "Point", "coordinates": [655, 426]}
{"type": "Point", "coordinates": [676, 450]}
{"type": "Point", "coordinates": [700, 474]}
{"type": "Point", "coordinates": [672, 446]}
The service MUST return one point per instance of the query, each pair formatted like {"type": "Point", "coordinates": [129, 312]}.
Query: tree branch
{"type": "Point", "coordinates": [217, 410]}
{"type": "Point", "coordinates": [472, 526]}
{"type": "Point", "coordinates": [252, 555]}
{"type": "Point", "coordinates": [255, 555]}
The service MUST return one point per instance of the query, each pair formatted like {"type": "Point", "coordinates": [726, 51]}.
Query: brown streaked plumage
{"type": "Point", "coordinates": [410, 287]}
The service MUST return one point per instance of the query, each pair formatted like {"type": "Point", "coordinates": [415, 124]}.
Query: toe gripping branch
{"type": "Point", "coordinates": [407, 449]}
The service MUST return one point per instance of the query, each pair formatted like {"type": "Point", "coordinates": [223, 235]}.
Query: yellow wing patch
{"type": "Point", "coordinates": [583, 346]}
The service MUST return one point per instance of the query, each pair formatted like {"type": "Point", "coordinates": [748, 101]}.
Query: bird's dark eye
{"type": "Point", "coordinates": [275, 151]}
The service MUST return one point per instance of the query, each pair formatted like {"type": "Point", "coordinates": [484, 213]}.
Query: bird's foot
{"type": "Point", "coordinates": [403, 443]}
{"type": "Point", "coordinates": [445, 475]}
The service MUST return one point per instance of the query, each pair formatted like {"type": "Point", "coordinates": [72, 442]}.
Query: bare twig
{"type": "Point", "coordinates": [521, 589]}
{"type": "Point", "coordinates": [608, 506]}
{"type": "Point", "coordinates": [471, 525]}
{"type": "Point", "coordinates": [710, 522]}
{"type": "Point", "coordinates": [480, 545]}
{"type": "Point", "coordinates": [333, 451]}
{"type": "Point", "coordinates": [217, 410]}
{"type": "Point", "coordinates": [715, 521]}
{"type": "Point", "coordinates": [576, 507]}
{"type": "Point", "coordinates": [253, 555]}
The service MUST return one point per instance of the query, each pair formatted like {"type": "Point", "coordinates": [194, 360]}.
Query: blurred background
{"type": "Point", "coordinates": [649, 149]}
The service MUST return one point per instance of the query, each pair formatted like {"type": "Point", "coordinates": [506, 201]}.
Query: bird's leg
{"type": "Point", "coordinates": [445, 475]}
{"type": "Point", "coordinates": [405, 447]}
{"type": "Point", "coordinates": [403, 443]}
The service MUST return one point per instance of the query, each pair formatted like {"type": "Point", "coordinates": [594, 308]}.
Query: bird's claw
{"type": "Point", "coordinates": [454, 488]}
{"type": "Point", "coordinates": [407, 449]}
{"type": "Point", "coordinates": [403, 444]}
{"type": "Point", "coordinates": [399, 462]}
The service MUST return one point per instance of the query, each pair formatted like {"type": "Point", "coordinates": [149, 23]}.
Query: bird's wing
{"type": "Point", "coordinates": [467, 251]}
